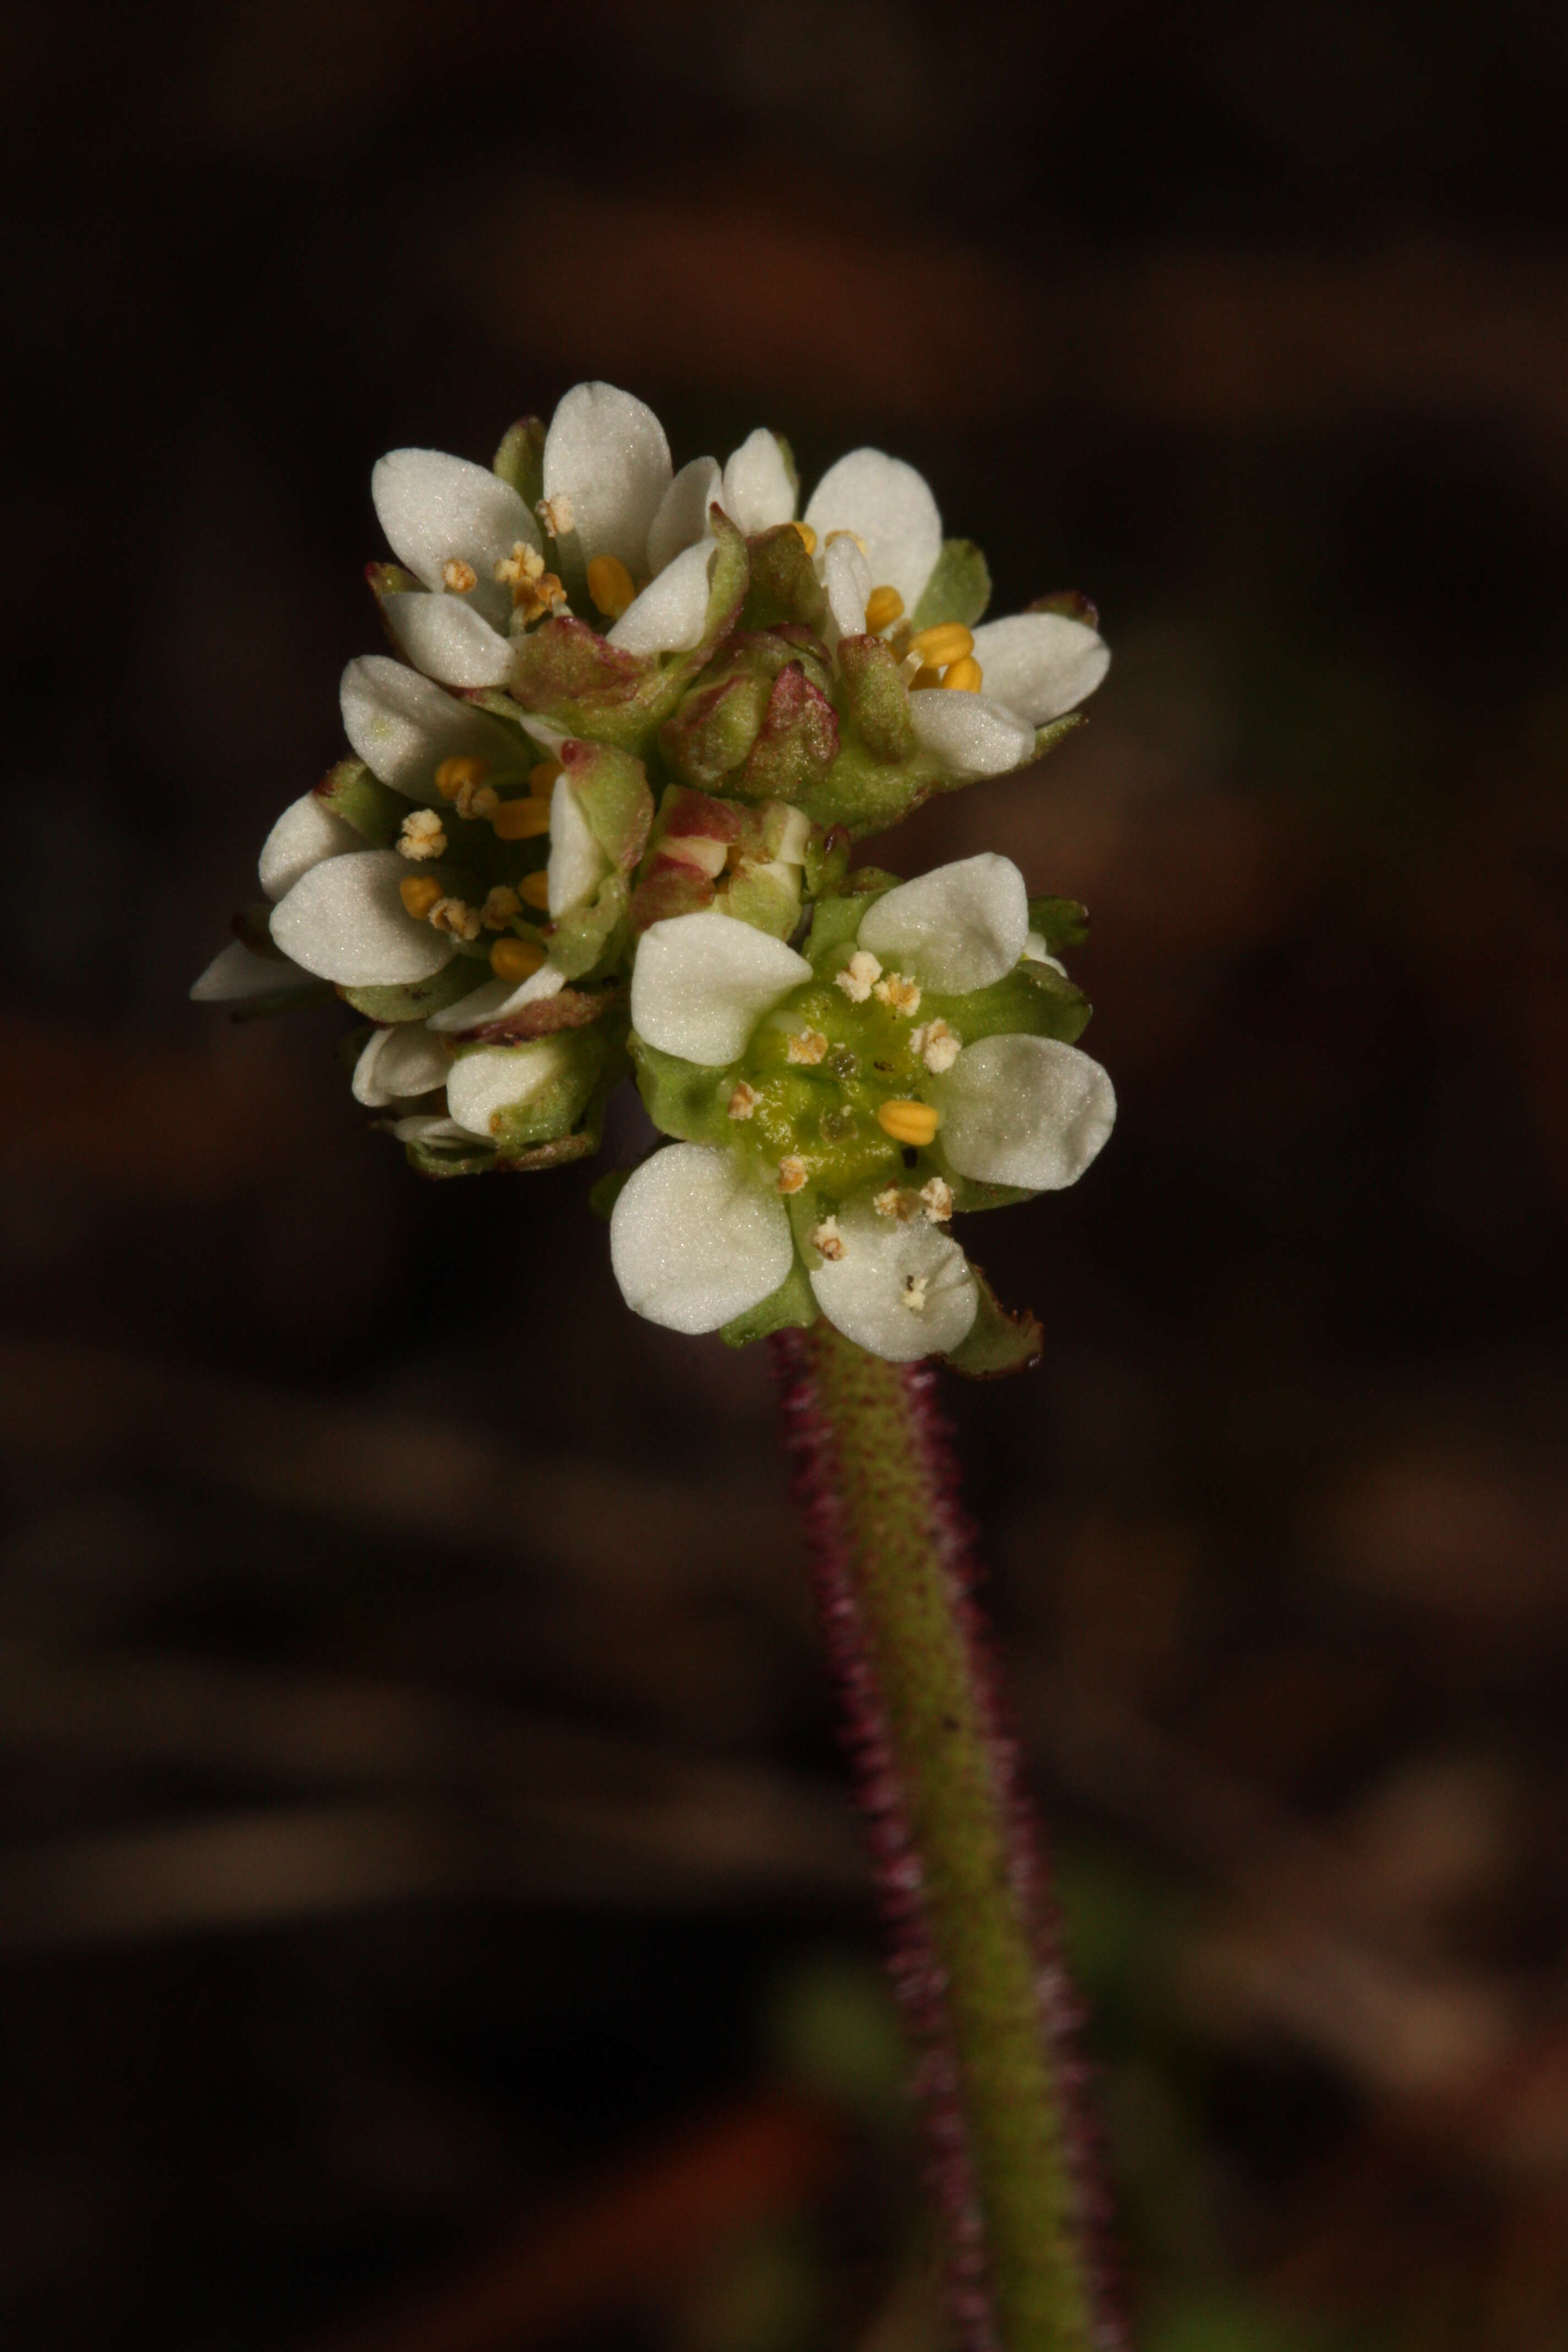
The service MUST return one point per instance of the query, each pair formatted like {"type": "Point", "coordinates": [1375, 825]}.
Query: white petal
{"type": "Point", "coordinates": [1024, 1110]}
{"type": "Point", "coordinates": [305, 833]}
{"type": "Point", "coordinates": [398, 1063]}
{"type": "Point", "coordinates": [1037, 951]}
{"type": "Point", "coordinates": [494, 998]}
{"type": "Point", "coordinates": [693, 1241]}
{"type": "Point", "coordinates": [1040, 664]}
{"type": "Point", "coordinates": [682, 517]}
{"type": "Point", "coordinates": [970, 734]}
{"type": "Point", "coordinates": [847, 578]}
{"type": "Point", "coordinates": [670, 615]}
{"type": "Point", "coordinates": [445, 637]}
{"type": "Point", "coordinates": [701, 983]}
{"type": "Point", "coordinates": [887, 504]}
{"type": "Point", "coordinates": [959, 927]}
{"type": "Point", "coordinates": [236, 972]}
{"type": "Point", "coordinates": [758, 492]}
{"type": "Point", "coordinates": [435, 509]}
{"type": "Point", "coordinates": [403, 726]}
{"type": "Point", "coordinates": [345, 921]}
{"type": "Point", "coordinates": [429, 1126]}
{"type": "Point", "coordinates": [493, 1077]}
{"type": "Point", "coordinates": [577, 864]}
{"type": "Point", "coordinates": [865, 1293]}
{"type": "Point", "coordinates": [607, 453]}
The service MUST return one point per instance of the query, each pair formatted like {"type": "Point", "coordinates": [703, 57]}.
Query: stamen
{"type": "Point", "coordinates": [541, 778]}
{"type": "Point", "coordinates": [947, 641]}
{"type": "Point", "coordinates": [827, 1239]}
{"type": "Point", "coordinates": [556, 515]}
{"type": "Point", "coordinates": [909, 1122]}
{"type": "Point", "coordinates": [808, 1045]}
{"type": "Point", "coordinates": [938, 1046]}
{"type": "Point", "coordinates": [937, 1199]}
{"type": "Point", "coordinates": [521, 819]}
{"type": "Point", "coordinates": [858, 976]}
{"type": "Point", "coordinates": [501, 905]}
{"type": "Point", "coordinates": [453, 915]}
{"type": "Point", "coordinates": [807, 535]}
{"type": "Point", "coordinates": [884, 605]}
{"type": "Point", "coordinates": [610, 585]}
{"type": "Point", "coordinates": [534, 598]}
{"type": "Point", "coordinates": [965, 675]}
{"type": "Point", "coordinates": [423, 835]}
{"type": "Point", "coordinates": [453, 774]}
{"type": "Point", "coordinates": [534, 891]}
{"type": "Point", "coordinates": [895, 1200]}
{"type": "Point", "coordinates": [477, 799]}
{"type": "Point", "coordinates": [419, 893]}
{"type": "Point", "coordinates": [792, 1174]}
{"type": "Point", "coordinates": [516, 960]}
{"type": "Point", "coordinates": [516, 569]}
{"type": "Point", "coordinates": [914, 1293]}
{"type": "Point", "coordinates": [898, 994]}
{"type": "Point", "coordinates": [458, 576]}
{"type": "Point", "coordinates": [744, 1100]}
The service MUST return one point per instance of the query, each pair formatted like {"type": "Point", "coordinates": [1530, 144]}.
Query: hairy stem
{"type": "Point", "coordinates": [957, 1866]}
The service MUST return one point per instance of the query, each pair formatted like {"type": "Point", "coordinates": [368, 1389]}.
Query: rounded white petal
{"type": "Point", "coordinates": [435, 509]}
{"type": "Point", "coordinates": [900, 1290]}
{"type": "Point", "coordinates": [758, 492]}
{"type": "Point", "coordinates": [959, 927]}
{"type": "Point", "coordinates": [701, 983]}
{"type": "Point", "coordinates": [399, 1064]}
{"type": "Point", "coordinates": [492, 1078]}
{"type": "Point", "coordinates": [1040, 664]}
{"type": "Point", "coordinates": [682, 517]}
{"type": "Point", "coordinates": [607, 452]}
{"type": "Point", "coordinates": [889, 506]}
{"type": "Point", "coordinates": [671, 614]}
{"type": "Point", "coordinates": [345, 921]}
{"type": "Point", "coordinates": [694, 1242]}
{"type": "Point", "coordinates": [846, 579]}
{"type": "Point", "coordinates": [305, 833]}
{"type": "Point", "coordinates": [1024, 1110]}
{"type": "Point", "coordinates": [495, 999]}
{"type": "Point", "coordinates": [577, 864]}
{"type": "Point", "coordinates": [236, 972]}
{"type": "Point", "coordinates": [403, 726]}
{"type": "Point", "coordinates": [970, 734]}
{"type": "Point", "coordinates": [430, 1128]}
{"type": "Point", "coordinates": [445, 637]}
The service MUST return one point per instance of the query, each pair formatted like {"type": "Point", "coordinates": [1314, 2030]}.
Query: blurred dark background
{"type": "Point", "coordinates": [431, 1917]}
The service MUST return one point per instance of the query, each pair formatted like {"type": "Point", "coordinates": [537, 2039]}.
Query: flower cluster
{"type": "Point", "coordinates": [598, 820]}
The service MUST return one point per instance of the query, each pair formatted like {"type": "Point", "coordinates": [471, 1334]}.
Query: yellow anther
{"type": "Point", "coordinates": [949, 641]}
{"type": "Point", "coordinates": [610, 585]}
{"type": "Point", "coordinates": [534, 891]}
{"type": "Point", "coordinates": [965, 674]}
{"type": "Point", "coordinates": [521, 819]}
{"type": "Point", "coordinates": [909, 1122]}
{"type": "Point", "coordinates": [453, 774]}
{"type": "Point", "coordinates": [883, 608]}
{"type": "Point", "coordinates": [806, 536]}
{"type": "Point", "coordinates": [419, 893]}
{"type": "Point", "coordinates": [458, 576]}
{"type": "Point", "coordinates": [542, 779]}
{"type": "Point", "coordinates": [516, 960]}
{"type": "Point", "coordinates": [792, 1174]}
{"type": "Point", "coordinates": [422, 834]}
{"type": "Point", "coordinates": [925, 676]}
{"type": "Point", "coordinates": [501, 905]}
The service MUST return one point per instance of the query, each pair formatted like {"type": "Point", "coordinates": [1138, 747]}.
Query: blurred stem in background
{"type": "Point", "coordinates": [955, 1854]}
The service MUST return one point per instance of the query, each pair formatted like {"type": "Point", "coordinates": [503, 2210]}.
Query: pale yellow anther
{"type": "Point", "coordinates": [883, 606]}
{"type": "Point", "coordinates": [937, 1199]}
{"type": "Point", "coordinates": [534, 891]}
{"type": "Point", "coordinates": [806, 1046]}
{"type": "Point", "coordinates": [938, 1046]}
{"type": "Point", "coordinates": [419, 893]}
{"type": "Point", "coordinates": [422, 834]}
{"type": "Point", "coordinates": [610, 584]}
{"type": "Point", "coordinates": [477, 801]}
{"type": "Point", "coordinates": [541, 778]}
{"type": "Point", "coordinates": [743, 1099]}
{"type": "Point", "coordinates": [806, 536]}
{"type": "Point", "coordinates": [501, 905]}
{"type": "Point", "coordinates": [898, 994]}
{"type": "Point", "coordinates": [556, 515]}
{"type": "Point", "coordinates": [516, 960]}
{"type": "Point", "coordinates": [826, 1240]}
{"type": "Point", "coordinates": [910, 1122]}
{"type": "Point", "coordinates": [913, 1293]}
{"type": "Point", "coordinates": [792, 1174]}
{"type": "Point", "coordinates": [524, 820]}
{"type": "Point", "coordinates": [523, 564]}
{"type": "Point", "coordinates": [947, 641]}
{"type": "Point", "coordinates": [454, 915]}
{"type": "Point", "coordinates": [896, 1200]}
{"type": "Point", "coordinates": [858, 976]}
{"type": "Point", "coordinates": [453, 774]}
{"type": "Point", "coordinates": [458, 576]}
{"type": "Point", "coordinates": [964, 675]}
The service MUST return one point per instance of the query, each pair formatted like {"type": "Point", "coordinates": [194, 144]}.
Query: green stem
{"type": "Point", "coordinates": [957, 1863]}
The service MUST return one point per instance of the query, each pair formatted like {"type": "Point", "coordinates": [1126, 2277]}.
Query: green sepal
{"type": "Point", "coordinates": [958, 588]}
{"type": "Point", "coordinates": [791, 1308]}
{"type": "Point", "coordinates": [590, 937]}
{"type": "Point", "coordinates": [1061, 923]}
{"type": "Point", "coordinates": [866, 794]}
{"type": "Point", "coordinates": [603, 1195]}
{"type": "Point", "coordinates": [826, 860]}
{"type": "Point", "coordinates": [362, 800]}
{"type": "Point", "coordinates": [473, 1159]}
{"type": "Point", "coordinates": [417, 1000]}
{"type": "Point", "coordinates": [878, 697]}
{"type": "Point", "coordinates": [715, 727]}
{"type": "Point", "coordinates": [835, 925]}
{"type": "Point", "coordinates": [612, 790]}
{"type": "Point", "coordinates": [519, 460]}
{"type": "Point", "coordinates": [798, 743]}
{"type": "Point", "coordinates": [997, 1342]}
{"type": "Point", "coordinates": [1031, 1001]}
{"type": "Point", "coordinates": [785, 588]}
{"type": "Point", "coordinates": [1072, 602]}
{"type": "Point", "coordinates": [555, 1153]}
{"type": "Point", "coordinates": [763, 899]}
{"type": "Point", "coordinates": [971, 1197]}
{"type": "Point", "coordinates": [684, 1099]}
{"type": "Point", "coordinates": [1056, 732]}
{"type": "Point", "coordinates": [554, 1109]}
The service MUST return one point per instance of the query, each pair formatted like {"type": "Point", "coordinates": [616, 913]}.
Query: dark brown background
{"type": "Point", "coordinates": [421, 1799]}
